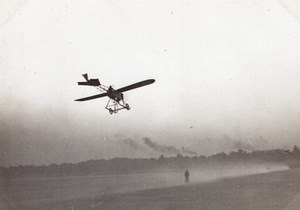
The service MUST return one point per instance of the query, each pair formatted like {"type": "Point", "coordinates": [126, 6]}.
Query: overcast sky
{"type": "Point", "coordinates": [227, 77]}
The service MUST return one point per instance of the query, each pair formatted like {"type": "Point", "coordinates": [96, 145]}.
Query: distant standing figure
{"type": "Point", "coordinates": [187, 176]}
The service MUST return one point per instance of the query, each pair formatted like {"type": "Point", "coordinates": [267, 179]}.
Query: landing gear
{"type": "Point", "coordinates": [113, 106]}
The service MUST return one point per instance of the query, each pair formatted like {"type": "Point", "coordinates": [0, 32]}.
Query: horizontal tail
{"type": "Point", "coordinates": [89, 82]}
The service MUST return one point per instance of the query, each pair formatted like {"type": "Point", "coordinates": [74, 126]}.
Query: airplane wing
{"type": "Point", "coordinates": [92, 97]}
{"type": "Point", "coordinates": [136, 85]}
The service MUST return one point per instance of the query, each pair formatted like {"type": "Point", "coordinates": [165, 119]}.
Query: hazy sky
{"type": "Point", "coordinates": [227, 77]}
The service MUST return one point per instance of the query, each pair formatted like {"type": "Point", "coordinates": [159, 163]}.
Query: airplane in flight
{"type": "Point", "coordinates": [116, 98]}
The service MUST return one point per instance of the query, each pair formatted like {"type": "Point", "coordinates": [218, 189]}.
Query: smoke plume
{"type": "Point", "coordinates": [133, 144]}
{"type": "Point", "coordinates": [186, 150]}
{"type": "Point", "coordinates": [170, 150]}
{"type": "Point", "coordinates": [243, 145]}
{"type": "Point", "coordinates": [161, 148]}
{"type": "Point", "coordinates": [251, 145]}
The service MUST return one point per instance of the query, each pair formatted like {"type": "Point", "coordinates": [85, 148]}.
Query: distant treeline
{"type": "Point", "coordinates": [143, 165]}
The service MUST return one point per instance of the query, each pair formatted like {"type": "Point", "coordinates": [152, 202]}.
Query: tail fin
{"type": "Point", "coordinates": [86, 77]}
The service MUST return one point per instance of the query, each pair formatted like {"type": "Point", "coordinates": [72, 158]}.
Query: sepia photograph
{"type": "Point", "coordinates": [150, 105]}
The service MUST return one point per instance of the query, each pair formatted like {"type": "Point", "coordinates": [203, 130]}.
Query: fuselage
{"type": "Point", "coordinates": [115, 95]}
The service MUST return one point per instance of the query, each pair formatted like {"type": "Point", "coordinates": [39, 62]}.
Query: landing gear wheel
{"type": "Point", "coordinates": [127, 107]}
{"type": "Point", "coordinates": [116, 111]}
{"type": "Point", "coordinates": [111, 111]}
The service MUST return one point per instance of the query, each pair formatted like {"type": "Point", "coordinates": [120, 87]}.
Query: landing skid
{"type": "Point", "coordinates": [114, 106]}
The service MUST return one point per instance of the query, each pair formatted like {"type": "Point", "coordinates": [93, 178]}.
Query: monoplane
{"type": "Point", "coordinates": [116, 98]}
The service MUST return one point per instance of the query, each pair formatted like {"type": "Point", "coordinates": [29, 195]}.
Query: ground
{"type": "Point", "coordinates": [274, 190]}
